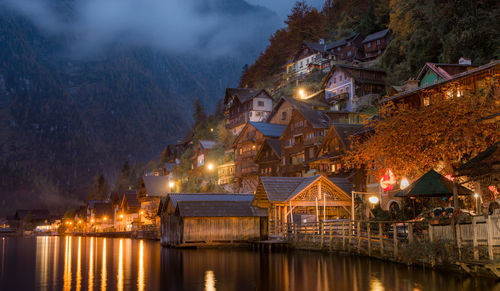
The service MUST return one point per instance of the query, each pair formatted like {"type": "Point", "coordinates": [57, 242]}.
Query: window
{"type": "Point", "coordinates": [260, 103]}
{"type": "Point", "coordinates": [334, 80]}
{"type": "Point", "coordinates": [347, 89]}
{"type": "Point", "coordinates": [426, 101]}
{"type": "Point", "coordinates": [369, 44]}
{"type": "Point", "coordinates": [333, 168]}
{"type": "Point", "coordinates": [250, 113]}
{"type": "Point", "coordinates": [241, 151]}
{"type": "Point", "coordinates": [283, 115]}
{"type": "Point", "coordinates": [311, 153]}
{"type": "Point", "coordinates": [378, 41]}
{"type": "Point", "coordinates": [349, 53]}
{"type": "Point", "coordinates": [341, 91]}
{"type": "Point", "coordinates": [258, 113]}
{"type": "Point", "coordinates": [338, 49]}
{"type": "Point", "coordinates": [298, 139]}
{"type": "Point", "coordinates": [340, 78]}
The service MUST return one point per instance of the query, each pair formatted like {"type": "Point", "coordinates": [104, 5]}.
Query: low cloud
{"type": "Point", "coordinates": [201, 27]}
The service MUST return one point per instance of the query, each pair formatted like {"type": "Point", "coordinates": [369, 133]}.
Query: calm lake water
{"type": "Point", "coordinates": [85, 263]}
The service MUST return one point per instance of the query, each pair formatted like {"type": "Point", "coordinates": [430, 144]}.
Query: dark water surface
{"type": "Point", "coordinates": [84, 263]}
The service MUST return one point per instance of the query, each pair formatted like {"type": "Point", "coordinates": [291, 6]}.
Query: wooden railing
{"type": "Point", "coordinates": [385, 238]}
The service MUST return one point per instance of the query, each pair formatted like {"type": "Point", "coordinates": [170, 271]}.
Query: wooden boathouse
{"type": "Point", "coordinates": [301, 200]}
{"type": "Point", "coordinates": [204, 219]}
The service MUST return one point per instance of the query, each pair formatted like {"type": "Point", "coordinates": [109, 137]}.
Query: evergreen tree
{"type": "Point", "coordinates": [199, 114]}
{"type": "Point", "coordinates": [123, 182]}
{"type": "Point", "coordinates": [99, 189]}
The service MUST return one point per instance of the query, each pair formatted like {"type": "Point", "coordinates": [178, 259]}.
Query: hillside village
{"type": "Point", "coordinates": [287, 152]}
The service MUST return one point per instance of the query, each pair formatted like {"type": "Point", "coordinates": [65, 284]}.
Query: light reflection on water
{"type": "Point", "coordinates": [90, 263]}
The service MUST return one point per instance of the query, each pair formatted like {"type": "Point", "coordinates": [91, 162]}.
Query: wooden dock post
{"type": "Point", "coordinates": [490, 228]}
{"type": "Point", "coordinates": [381, 237]}
{"type": "Point", "coordinates": [295, 234]}
{"type": "Point", "coordinates": [314, 232]}
{"type": "Point", "coordinates": [431, 232]}
{"type": "Point", "coordinates": [368, 232]}
{"type": "Point", "coordinates": [331, 236]}
{"type": "Point", "coordinates": [343, 236]}
{"type": "Point", "coordinates": [459, 240]}
{"type": "Point", "coordinates": [395, 239]}
{"type": "Point", "coordinates": [410, 233]}
{"type": "Point", "coordinates": [359, 237]}
{"type": "Point", "coordinates": [474, 239]}
{"type": "Point", "coordinates": [349, 233]}
{"type": "Point", "coordinates": [322, 229]}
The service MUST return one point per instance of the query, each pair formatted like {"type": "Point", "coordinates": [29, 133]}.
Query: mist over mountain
{"type": "Point", "coordinates": [86, 85]}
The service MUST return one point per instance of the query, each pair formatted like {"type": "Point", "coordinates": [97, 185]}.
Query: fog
{"type": "Point", "coordinates": [202, 27]}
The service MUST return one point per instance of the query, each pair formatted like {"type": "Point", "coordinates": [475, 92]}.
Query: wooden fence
{"type": "Point", "coordinates": [386, 238]}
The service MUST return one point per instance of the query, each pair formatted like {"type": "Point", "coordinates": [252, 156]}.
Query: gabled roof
{"type": "Point", "coordinates": [91, 203]}
{"type": "Point", "coordinates": [465, 74]}
{"type": "Point", "coordinates": [341, 42]}
{"type": "Point", "coordinates": [432, 184]}
{"type": "Point", "coordinates": [485, 159]}
{"type": "Point", "coordinates": [207, 144]}
{"type": "Point", "coordinates": [314, 46]}
{"type": "Point", "coordinates": [219, 209]}
{"type": "Point", "coordinates": [103, 209]}
{"type": "Point", "coordinates": [376, 35]}
{"type": "Point", "coordinates": [156, 185]}
{"type": "Point", "coordinates": [317, 118]}
{"type": "Point", "coordinates": [131, 198]}
{"type": "Point", "coordinates": [178, 197]}
{"type": "Point", "coordinates": [242, 94]}
{"type": "Point", "coordinates": [445, 71]}
{"type": "Point", "coordinates": [344, 131]}
{"type": "Point", "coordinates": [352, 71]}
{"type": "Point", "coordinates": [282, 189]}
{"type": "Point", "coordinates": [274, 144]}
{"type": "Point", "coordinates": [269, 129]}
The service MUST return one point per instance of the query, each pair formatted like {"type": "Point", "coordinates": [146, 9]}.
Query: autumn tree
{"type": "Point", "coordinates": [411, 141]}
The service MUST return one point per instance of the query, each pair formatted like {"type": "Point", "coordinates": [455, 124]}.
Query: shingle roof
{"type": "Point", "coordinates": [432, 184]}
{"type": "Point", "coordinates": [243, 94]}
{"type": "Point", "coordinates": [315, 46]}
{"type": "Point", "coordinates": [207, 144]}
{"type": "Point", "coordinates": [281, 188]}
{"type": "Point", "coordinates": [177, 197]}
{"type": "Point", "coordinates": [376, 35]}
{"type": "Point", "coordinates": [345, 130]}
{"type": "Point", "coordinates": [317, 118]}
{"type": "Point", "coordinates": [454, 77]}
{"type": "Point", "coordinates": [343, 183]}
{"type": "Point", "coordinates": [219, 209]}
{"type": "Point", "coordinates": [275, 145]}
{"type": "Point", "coordinates": [269, 129]}
{"type": "Point", "coordinates": [132, 200]}
{"type": "Point", "coordinates": [156, 185]}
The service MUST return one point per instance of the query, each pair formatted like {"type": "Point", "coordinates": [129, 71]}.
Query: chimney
{"type": "Point", "coordinates": [464, 61]}
{"type": "Point", "coordinates": [411, 84]}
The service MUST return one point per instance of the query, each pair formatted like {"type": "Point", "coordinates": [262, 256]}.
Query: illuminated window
{"type": "Point", "coordinates": [426, 101]}
{"type": "Point", "coordinates": [283, 115]}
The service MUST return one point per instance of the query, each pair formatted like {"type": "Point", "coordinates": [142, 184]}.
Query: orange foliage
{"type": "Point", "coordinates": [410, 140]}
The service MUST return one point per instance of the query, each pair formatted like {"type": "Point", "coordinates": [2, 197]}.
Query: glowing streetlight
{"type": "Point", "coordinates": [92, 220]}
{"type": "Point", "coordinates": [171, 184]}
{"type": "Point", "coordinates": [211, 130]}
{"type": "Point", "coordinates": [373, 199]}
{"type": "Point", "coordinates": [302, 94]}
{"type": "Point", "coordinates": [121, 215]}
{"type": "Point", "coordinates": [105, 218]}
{"type": "Point", "coordinates": [476, 195]}
{"type": "Point", "coordinates": [142, 212]}
{"type": "Point", "coordinates": [79, 222]}
{"type": "Point", "coordinates": [210, 166]}
{"type": "Point", "coordinates": [404, 183]}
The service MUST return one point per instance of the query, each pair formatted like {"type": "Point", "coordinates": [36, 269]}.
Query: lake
{"type": "Point", "coordinates": [89, 263]}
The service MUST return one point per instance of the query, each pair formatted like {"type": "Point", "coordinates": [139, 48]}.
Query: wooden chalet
{"type": "Point", "coordinates": [190, 219]}
{"type": "Point", "coordinates": [440, 81]}
{"type": "Point", "coordinates": [244, 105]}
{"type": "Point", "coordinates": [152, 189]}
{"type": "Point", "coordinates": [303, 199]}
{"type": "Point", "coordinates": [246, 146]}
{"type": "Point", "coordinates": [128, 213]}
{"type": "Point", "coordinates": [353, 88]}
{"type": "Point", "coordinates": [268, 157]}
{"type": "Point", "coordinates": [310, 55]}
{"type": "Point", "coordinates": [347, 49]}
{"type": "Point", "coordinates": [336, 143]}
{"type": "Point", "coordinates": [375, 44]}
{"type": "Point", "coordinates": [203, 147]}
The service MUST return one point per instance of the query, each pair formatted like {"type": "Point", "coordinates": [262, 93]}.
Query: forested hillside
{"type": "Point", "coordinates": [423, 31]}
{"type": "Point", "coordinates": [66, 118]}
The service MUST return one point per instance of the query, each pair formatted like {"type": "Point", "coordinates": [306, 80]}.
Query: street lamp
{"type": "Point", "coordinates": [121, 215]}
{"type": "Point", "coordinates": [404, 183]}
{"type": "Point", "coordinates": [210, 166]}
{"type": "Point", "coordinates": [302, 93]}
{"type": "Point", "coordinates": [171, 184]}
{"type": "Point", "coordinates": [373, 200]}
{"type": "Point", "coordinates": [476, 196]}
{"type": "Point", "coordinates": [105, 218]}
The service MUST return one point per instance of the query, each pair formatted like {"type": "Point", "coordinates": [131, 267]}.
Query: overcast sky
{"type": "Point", "coordinates": [283, 7]}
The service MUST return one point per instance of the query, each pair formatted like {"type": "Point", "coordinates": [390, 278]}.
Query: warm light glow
{"type": "Point", "coordinates": [387, 181]}
{"type": "Point", "coordinates": [210, 166]}
{"type": "Point", "coordinates": [79, 265]}
{"type": "Point", "coordinates": [70, 223]}
{"type": "Point", "coordinates": [171, 184]}
{"type": "Point", "coordinates": [120, 267]}
{"type": "Point", "coordinates": [142, 212]}
{"type": "Point", "coordinates": [302, 93]}
{"type": "Point", "coordinates": [121, 215]}
{"type": "Point", "coordinates": [91, 265]}
{"type": "Point", "coordinates": [92, 220]}
{"type": "Point", "coordinates": [449, 177]}
{"type": "Point", "coordinates": [211, 130]}
{"type": "Point", "coordinates": [476, 195]}
{"type": "Point", "coordinates": [103, 271]}
{"type": "Point", "coordinates": [140, 278]}
{"type": "Point", "coordinates": [79, 221]}
{"type": "Point", "coordinates": [105, 218]}
{"type": "Point", "coordinates": [209, 280]}
{"type": "Point", "coordinates": [67, 265]}
{"type": "Point", "coordinates": [404, 183]}
{"type": "Point", "coordinates": [373, 199]}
